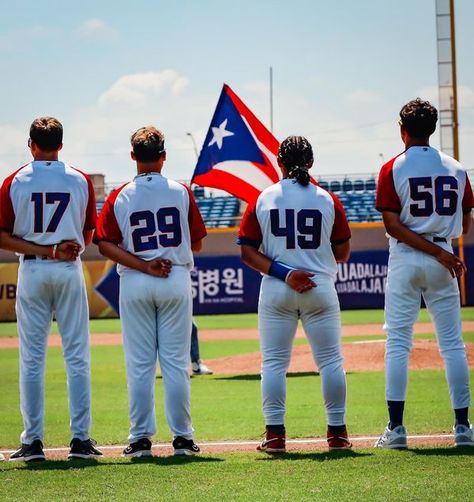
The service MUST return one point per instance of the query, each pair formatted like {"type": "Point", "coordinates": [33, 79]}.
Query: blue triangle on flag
{"type": "Point", "coordinates": [228, 138]}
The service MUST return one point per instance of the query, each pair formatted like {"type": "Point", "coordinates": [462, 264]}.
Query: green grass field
{"type": "Point", "coordinates": [239, 321]}
{"type": "Point", "coordinates": [414, 475]}
{"type": "Point", "coordinates": [226, 407]}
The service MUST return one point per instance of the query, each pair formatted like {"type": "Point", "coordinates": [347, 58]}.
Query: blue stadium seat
{"type": "Point", "coordinates": [370, 185]}
{"type": "Point", "coordinates": [198, 192]}
{"type": "Point", "coordinates": [323, 184]}
{"type": "Point", "coordinates": [359, 186]}
{"type": "Point", "coordinates": [347, 185]}
{"type": "Point", "coordinates": [335, 186]}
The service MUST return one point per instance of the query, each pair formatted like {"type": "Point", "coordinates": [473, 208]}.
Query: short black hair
{"type": "Point", "coordinates": [47, 133]}
{"type": "Point", "coordinates": [148, 144]}
{"type": "Point", "coordinates": [296, 154]}
{"type": "Point", "coordinates": [419, 118]}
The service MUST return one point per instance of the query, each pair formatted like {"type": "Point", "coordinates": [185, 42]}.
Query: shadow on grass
{"type": "Point", "coordinates": [318, 456]}
{"type": "Point", "coordinates": [257, 376]}
{"type": "Point", "coordinates": [443, 452]}
{"type": "Point", "coordinates": [65, 465]}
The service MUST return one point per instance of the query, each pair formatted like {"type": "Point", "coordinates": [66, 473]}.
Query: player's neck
{"type": "Point", "coordinates": [42, 155]}
{"type": "Point", "coordinates": [149, 167]}
{"type": "Point", "coordinates": [416, 142]}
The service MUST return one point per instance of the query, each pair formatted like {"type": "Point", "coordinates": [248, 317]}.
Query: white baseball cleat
{"type": "Point", "coordinates": [2, 457]}
{"type": "Point", "coordinates": [463, 436]}
{"type": "Point", "coordinates": [396, 438]}
{"type": "Point", "coordinates": [200, 368]}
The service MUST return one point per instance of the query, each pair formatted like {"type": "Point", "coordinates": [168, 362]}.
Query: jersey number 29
{"type": "Point", "coordinates": [302, 227]}
{"type": "Point", "coordinates": [145, 224]}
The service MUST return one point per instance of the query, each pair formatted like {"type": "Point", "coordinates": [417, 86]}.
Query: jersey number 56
{"type": "Point", "coordinates": [443, 199]}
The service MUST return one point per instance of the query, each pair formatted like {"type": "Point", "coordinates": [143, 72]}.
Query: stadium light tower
{"type": "Point", "coordinates": [194, 144]}
{"type": "Point", "coordinates": [448, 95]}
{"type": "Point", "coordinates": [447, 80]}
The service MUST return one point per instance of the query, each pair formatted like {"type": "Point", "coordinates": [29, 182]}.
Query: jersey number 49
{"type": "Point", "coordinates": [302, 227]}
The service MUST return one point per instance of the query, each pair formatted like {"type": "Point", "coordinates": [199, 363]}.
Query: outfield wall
{"type": "Point", "coordinates": [222, 284]}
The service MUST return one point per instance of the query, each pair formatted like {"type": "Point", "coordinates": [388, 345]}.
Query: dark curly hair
{"type": "Point", "coordinates": [419, 118]}
{"type": "Point", "coordinates": [47, 133]}
{"type": "Point", "coordinates": [296, 154]}
{"type": "Point", "coordinates": [148, 144]}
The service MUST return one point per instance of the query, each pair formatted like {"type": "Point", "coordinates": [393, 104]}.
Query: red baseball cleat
{"type": "Point", "coordinates": [339, 441]}
{"type": "Point", "coordinates": [273, 443]}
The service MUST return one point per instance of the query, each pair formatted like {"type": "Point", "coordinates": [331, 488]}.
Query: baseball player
{"type": "Point", "coordinates": [197, 366]}
{"type": "Point", "coordinates": [426, 199]}
{"type": "Point", "coordinates": [303, 232]}
{"type": "Point", "coordinates": [47, 216]}
{"type": "Point", "coordinates": [150, 227]}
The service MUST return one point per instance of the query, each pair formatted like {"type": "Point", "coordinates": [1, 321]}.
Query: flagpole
{"type": "Point", "coordinates": [194, 144]}
{"type": "Point", "coordinates": [271, 99]}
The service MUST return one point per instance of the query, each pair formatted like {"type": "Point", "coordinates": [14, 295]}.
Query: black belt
{"type": "Point", "coordinates": [34, 257]}
{"type": "Point", "coordinates": [435, 239]}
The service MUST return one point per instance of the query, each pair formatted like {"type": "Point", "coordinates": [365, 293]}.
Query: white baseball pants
{"type": "Point", "coordinates": [46, 287]}
{"type": "Point", "coordinates": [279, 309]}
{"type": "Point", "coordinates": [156, 318]}
{"type": "Point", "coordinates": [411, 275]}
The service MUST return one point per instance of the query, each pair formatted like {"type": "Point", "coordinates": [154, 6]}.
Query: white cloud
{"type": "Point", "coordinates": [258, 87]}
{"type": "Point", "coordinates": [136, 89]}
{"type": "Point", "coordinates": [95, 27]}
{"type": "Point", "coordinates": [363, 97]}
{"type": "Point", "coordinates": [465, 95]}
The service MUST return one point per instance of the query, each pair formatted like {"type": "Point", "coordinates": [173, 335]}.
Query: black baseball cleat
{"type": "Point", "coordinates": [84, 449]}
{"type": "Point", "coordinates": [185, 446]}
{"type": "Point", "coordinates": [29, 452]}
{"type": "Point", "coordinates": [141, 448]}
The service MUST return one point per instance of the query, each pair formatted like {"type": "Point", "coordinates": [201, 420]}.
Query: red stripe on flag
{"type": "Point", "coordinates": [228, 182]}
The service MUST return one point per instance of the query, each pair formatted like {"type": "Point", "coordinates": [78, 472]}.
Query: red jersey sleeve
{"type": "Point", "coordinates": [107, 228]}
{"type": "Point", "coordinates": [197, 228]}
{"type": "Point", "coordinates": [387, 198]}
{"type": "Point", "coordinates": [91, 210]}
{"type": "Point", "coordinates": [250, 233]}
{"type": "Point", "coordinates": [340, 229]}
{"type": "Point", "coordinates": [468, 198]}
{"type": "Point", "coordinates": [7, 213]}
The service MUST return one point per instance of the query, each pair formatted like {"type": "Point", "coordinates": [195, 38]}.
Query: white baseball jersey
{"type": "Point", "coordinates": [429, 189]}
{"type": "Point", "coordinates": [296, 225]}
{"type": "Point", "coordinates": [47, 202]}
{"type": "Point", "coordinates": [152, 217]}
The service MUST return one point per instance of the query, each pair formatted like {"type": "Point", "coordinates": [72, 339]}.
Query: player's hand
{"type": "Point", "coordinates": [301, 281]}
{"type": "Point", "coordinates": [158, 267]}
{"type": "Point", "coordinates": [67, 251]}
{"type": "Point", "coordinates": [452, 262]}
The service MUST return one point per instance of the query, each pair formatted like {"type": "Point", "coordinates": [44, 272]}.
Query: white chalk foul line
{"type": "Point", "coordinates": [246, 443]}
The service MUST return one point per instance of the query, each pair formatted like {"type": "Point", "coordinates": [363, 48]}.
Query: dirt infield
{"type": "Point", "coordinates": [237, 334]}
{"type": "Point", "coordinates": [293, 445]}
{"type": "Point", "coordinates": [358, 356]}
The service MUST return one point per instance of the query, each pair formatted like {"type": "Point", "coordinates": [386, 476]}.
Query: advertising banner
{"type": "Point", "coordinates": [224, 285]}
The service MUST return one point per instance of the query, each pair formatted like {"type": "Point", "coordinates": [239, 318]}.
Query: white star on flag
{"type": "Point", "coordinates": [219, 134]}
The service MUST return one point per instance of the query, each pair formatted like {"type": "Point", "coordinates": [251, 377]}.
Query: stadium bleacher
{"type": "Point", "coordinates": [357, 197]}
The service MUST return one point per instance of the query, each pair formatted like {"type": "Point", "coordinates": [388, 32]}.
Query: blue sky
{"type": "Point", "coordinates": [342, 70]}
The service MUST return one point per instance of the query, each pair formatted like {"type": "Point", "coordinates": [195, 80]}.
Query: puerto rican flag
{"type": "Point", "coordinates": [239, 154]}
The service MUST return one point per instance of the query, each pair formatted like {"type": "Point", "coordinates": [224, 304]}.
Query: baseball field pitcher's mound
{"type": "Point", "coordinates": [358, 356]}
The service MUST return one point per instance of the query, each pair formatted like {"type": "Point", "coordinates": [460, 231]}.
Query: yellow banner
{"type": "Point", "coordinates": [93, 272]}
